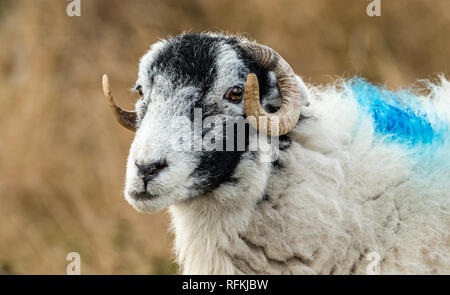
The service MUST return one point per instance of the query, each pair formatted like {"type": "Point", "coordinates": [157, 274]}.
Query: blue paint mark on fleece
{"type": "Point", "coordinates": [396, 115]}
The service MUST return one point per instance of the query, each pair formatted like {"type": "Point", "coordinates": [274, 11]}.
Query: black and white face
{"type": "Point", "coordinates": [177, 78]}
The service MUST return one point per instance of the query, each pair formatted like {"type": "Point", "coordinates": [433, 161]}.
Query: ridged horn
{"type": "Point", "coordinates": [126, 118]}
{"type": "Point", "coordinates": [285, 119]}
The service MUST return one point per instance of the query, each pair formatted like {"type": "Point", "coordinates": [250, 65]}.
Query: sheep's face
{"type": "Point", "coordinates": [186, 82]}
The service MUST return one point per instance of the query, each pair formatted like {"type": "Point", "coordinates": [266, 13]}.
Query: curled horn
{"type": "Point", "coordinates": [285, 119]}
{"type": "Point", "coordinates": [126, 118]}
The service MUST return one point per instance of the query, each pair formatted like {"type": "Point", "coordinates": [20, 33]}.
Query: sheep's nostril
{"type": "Point", "coordinates": [149, 171]}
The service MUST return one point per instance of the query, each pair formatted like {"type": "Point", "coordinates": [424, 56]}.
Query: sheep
{"type": "Point", "coordinates": [359, 171]}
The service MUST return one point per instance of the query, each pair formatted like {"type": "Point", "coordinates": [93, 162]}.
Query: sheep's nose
{"type": "Point", "coordinates": [149, 171]}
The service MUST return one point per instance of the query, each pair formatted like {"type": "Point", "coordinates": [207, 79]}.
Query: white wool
{"type": "Point", "coordinates": [342, 194]}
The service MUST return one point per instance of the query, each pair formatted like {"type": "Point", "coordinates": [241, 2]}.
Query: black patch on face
{"type": "Point", "coordinates": [217, 167]}
{"type": "Point", "coordinates": [190, 59]}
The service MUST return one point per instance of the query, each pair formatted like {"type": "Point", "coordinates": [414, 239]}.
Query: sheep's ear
{"type": "Point", "coordinates": [271, 100]}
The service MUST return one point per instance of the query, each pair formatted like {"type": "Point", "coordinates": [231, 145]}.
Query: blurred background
{"type": "Point", "coordinates": [62, 155]}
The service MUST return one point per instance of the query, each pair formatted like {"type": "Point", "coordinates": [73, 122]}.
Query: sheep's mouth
{"type": "Point", "coordinates": [142, 196]}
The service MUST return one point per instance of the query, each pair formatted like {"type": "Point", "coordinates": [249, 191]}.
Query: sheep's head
{"type": "Point", "coordinates": [191, 86]}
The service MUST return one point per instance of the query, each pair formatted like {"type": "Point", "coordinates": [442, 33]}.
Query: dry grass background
{"type": "Point", "coordinates": [62, 156]}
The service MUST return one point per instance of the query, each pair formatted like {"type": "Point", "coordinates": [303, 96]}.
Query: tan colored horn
{"type": "Point", "coordinates": [285, 119]}
{"type": "Point", "coordinates": [126, 118]}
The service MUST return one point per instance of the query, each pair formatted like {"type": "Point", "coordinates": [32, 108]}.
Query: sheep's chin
{"type": "Point", "coordinates": [149, 203]}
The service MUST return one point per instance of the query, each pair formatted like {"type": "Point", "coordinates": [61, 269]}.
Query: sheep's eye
{"type": "Point", "coordinates": [234, 94]}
